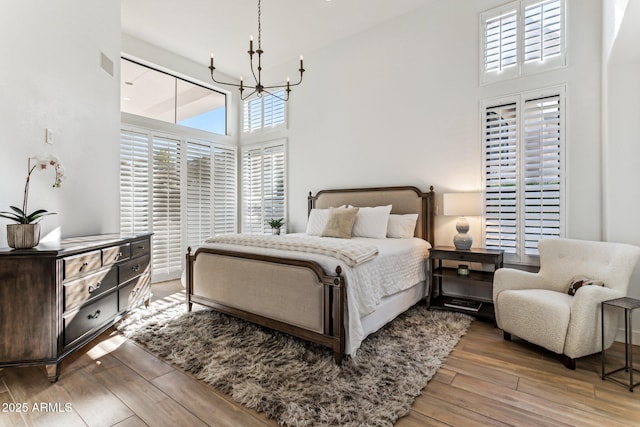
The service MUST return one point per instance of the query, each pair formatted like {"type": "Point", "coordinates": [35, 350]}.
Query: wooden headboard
{"type": "Point", "coordinates": [404, 200]}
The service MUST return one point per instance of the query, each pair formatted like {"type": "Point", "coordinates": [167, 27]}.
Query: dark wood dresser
{"type": "Point", "coordinates": [55, 298]}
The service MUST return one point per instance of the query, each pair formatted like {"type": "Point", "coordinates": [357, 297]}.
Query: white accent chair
{"type": "Point", "coordinates": [537, 307]}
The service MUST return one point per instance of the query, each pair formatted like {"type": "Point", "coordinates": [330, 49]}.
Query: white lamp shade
{"type": "Point", "coordinates": [462, 204]}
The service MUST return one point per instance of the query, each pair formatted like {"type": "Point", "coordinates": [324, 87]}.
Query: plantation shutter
{"type": "Point", "coordinates": [273, 181]}
{"type": "Point", "coordinates": [542, 171]}
{"type": "Point", "coordinates": [263, 112]}
{"type": "Point", "coordinates": [263, 186]}
{"type": "Point", "coordinates": [198, 193]}
{"type": "Point", "coordinates": [167, 247]}
{"type": "Point", "coordinates": [224, 190]}
{"type": "Point", "coordinates": [134, 182]}
{"type": "Point", "coordinates": [501, 41]}
{"type": "Point", "coordinates": [501, 178]}
{"type": "Point", "coordinates": [542, 30]}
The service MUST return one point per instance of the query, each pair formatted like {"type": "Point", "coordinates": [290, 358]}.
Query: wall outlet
{"type": "Point", "coordinates": [48, 136]}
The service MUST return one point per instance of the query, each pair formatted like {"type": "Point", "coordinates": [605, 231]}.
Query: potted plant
{"type": "Point", "coordinates": [275, 225]}
{"type": "Point", "coordinates": [25, 233]}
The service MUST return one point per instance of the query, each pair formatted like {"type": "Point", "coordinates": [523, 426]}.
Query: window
{"type": "Point", "coordinates": [524, 172]}
{"type": "Point", "coordinates": [161, 96]}
{"type": "Point", "coordinates": [263, 185]}
{"type": "Point", "coordinates": [522, 37]}
{"type": "Point", "coordinates": [267, 111]}
{"type": "Point", "coordinates": [180, 189]}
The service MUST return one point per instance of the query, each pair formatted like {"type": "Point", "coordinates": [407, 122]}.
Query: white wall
{"type": "Point", "coordinates": [400, 105]}
{"type": "Point", "coordinates": [51, 78]}
{"type": "Point", "coordinates": [621, 87]}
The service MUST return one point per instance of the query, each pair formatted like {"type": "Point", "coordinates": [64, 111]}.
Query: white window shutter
{"type": "Point", "coordinates": [263, 186]}
{"type": "Point", "coordinates": [501, 41]}
{"type": "Point", "coordinates": [501, 177]}
{"type": "Point", "coordinates": [224, 190]}
{"type": "Point", "coordinates": [543, 30]}
{"type": "Point", "coordinates": [198, 209]}
{"type": "Point", "coordinates": [264, 112]}
{"type": "Point", "coordinates": [541, 171]}
{"type": "Point", "coordinates": [167, 242]}
{"type": "Point", "coordinates": [134, 182]}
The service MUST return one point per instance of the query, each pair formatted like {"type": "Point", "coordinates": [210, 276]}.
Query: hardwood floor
{"type": "Point", "coordinates": [486, 381]}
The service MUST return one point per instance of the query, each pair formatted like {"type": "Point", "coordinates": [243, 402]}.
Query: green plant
{"type": "Point", "coordinates": [276, 223]}
{"type": "Point", "coordinates": [20, 216]}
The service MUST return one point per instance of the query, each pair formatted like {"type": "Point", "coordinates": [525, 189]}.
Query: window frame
{"type": "Point", "coordinates": [522, 68]}
{"type": "Point", "coordinates": [520, 100]}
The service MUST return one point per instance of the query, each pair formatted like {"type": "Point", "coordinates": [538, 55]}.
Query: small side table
{"type": "Point", "coordinates": [628, 304]}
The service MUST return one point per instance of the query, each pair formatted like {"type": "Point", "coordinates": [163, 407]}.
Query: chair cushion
{"type": "Point", "coordinates": [539, 316]}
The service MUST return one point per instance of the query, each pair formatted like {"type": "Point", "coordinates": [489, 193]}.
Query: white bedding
{"type": "Point", "coordinates": [400, 264]}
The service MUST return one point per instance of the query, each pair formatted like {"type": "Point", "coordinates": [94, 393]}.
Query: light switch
{"type": "Point", "coordinates": [49, 136]}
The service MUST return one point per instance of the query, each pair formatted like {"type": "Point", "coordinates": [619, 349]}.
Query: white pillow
{"type": "Point", "coordinates": [372, 222]}
{"type": "Point", "coordinates": [318, 221]}
{"type": "Point", "coordinates": [402, 226]}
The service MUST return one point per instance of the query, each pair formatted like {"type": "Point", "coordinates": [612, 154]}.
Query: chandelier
{"type": "Point", "coordinates": [258, 87]}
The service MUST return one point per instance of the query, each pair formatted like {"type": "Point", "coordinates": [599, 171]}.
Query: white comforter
{"type": "Point", "coordinates": [400, 264]}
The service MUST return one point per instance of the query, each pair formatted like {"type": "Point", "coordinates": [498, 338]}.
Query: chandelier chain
{"type": "Point", "coordinates": [259, 25]}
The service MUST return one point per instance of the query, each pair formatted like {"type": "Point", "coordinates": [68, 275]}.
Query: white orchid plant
{"type": "Point", "coordinates": [20, 216]}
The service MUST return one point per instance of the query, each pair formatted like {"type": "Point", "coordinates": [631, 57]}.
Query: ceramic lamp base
{"type": "Point", "coordinates": [462, 240]}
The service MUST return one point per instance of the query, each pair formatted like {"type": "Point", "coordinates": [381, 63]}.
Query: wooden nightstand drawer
{"type": "Point", "coordinates": [76, 292]}
{"type": "Point", "coordinates": [140, 247]}
{"type": "Point", "coordinates": [132, 268]}
{"type": "Point", "coordinates": [79, 265]}
{"type": "Point", "coordinates": [90, 317]}
{"type": "Point", "coordinates": [116, 254]}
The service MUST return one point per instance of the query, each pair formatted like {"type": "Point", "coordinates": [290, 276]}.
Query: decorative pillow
{"type": "Point", "coordinates": [372, 222]}
{"type": "Point", "coordinates": [580, 281]}
{"type": "Point", "coordinates": [402, 226]}
{"type": "Point", "coordinates": [317, 221]}
{"type": "Point", "coordinates": [340, 222]}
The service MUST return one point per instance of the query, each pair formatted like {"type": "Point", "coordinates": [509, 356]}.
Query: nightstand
{"type": "Point", "coordinates": [462, 303]}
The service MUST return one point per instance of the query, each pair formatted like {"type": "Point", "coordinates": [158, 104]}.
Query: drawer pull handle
{"type": "Point", "coordinates": [136, 267]}
{"type": "Point", "coordinates": [94, 316]}
{"type": "Point", "coordinates": [141, 247]}
{"type": "Point", "coordinates": [92, 289]}
{"type": "Point", "coordinates": [118, 256]}
{"type": "Point", "coordinates": [83, 266]}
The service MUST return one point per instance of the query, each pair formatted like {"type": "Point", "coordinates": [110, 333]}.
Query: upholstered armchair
{"type": "Point", "coordinates": [537, 307]}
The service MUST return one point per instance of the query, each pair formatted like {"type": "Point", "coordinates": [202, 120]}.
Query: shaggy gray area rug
{"type": "Point", "coordinates": [296, 382]}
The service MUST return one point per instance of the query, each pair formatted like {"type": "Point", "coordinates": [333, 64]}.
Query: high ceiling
{"type": "Point", "coordinates": [196, 28]}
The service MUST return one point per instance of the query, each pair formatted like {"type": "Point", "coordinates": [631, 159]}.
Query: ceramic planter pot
{"type": "Point", "coordinates": [23, 236]}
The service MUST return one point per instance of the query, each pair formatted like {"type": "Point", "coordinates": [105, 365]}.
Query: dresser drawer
{"type": "Point", "coordinates": [134, 292]}
{"type": "Point", "coordinates": [76, 292]}
{"type": "Point", "coordinates": [140, 247]}
{"type": "Point", "coordinates": [116, 254]}
{"type": "Point", "coordinates": [78, 265]}
{"type": "Point", "coordinates": [132, 268]}
{"type": "Point", "coordinates": [90, 317]}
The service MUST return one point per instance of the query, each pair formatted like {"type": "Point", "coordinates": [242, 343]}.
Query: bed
{"type": "Point", "coordinates": [313, 296]}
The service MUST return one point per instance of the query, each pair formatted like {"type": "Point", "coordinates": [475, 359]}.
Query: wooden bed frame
{"type": "Point", "coordinates": [294, 296]}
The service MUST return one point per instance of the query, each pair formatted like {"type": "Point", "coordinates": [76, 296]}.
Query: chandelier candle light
{"type": "Point", "coordinates": [258, 87]}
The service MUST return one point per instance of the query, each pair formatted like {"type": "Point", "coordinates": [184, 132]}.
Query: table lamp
{"type": "Point", "coordinates": [462, 205]}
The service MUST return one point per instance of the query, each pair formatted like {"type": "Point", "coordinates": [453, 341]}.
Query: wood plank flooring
{"type": "Point", "coordinates": [486, 381]}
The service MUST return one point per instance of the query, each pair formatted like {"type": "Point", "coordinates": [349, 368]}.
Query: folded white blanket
{"type": "Point", "coordinates": [351, 252]}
